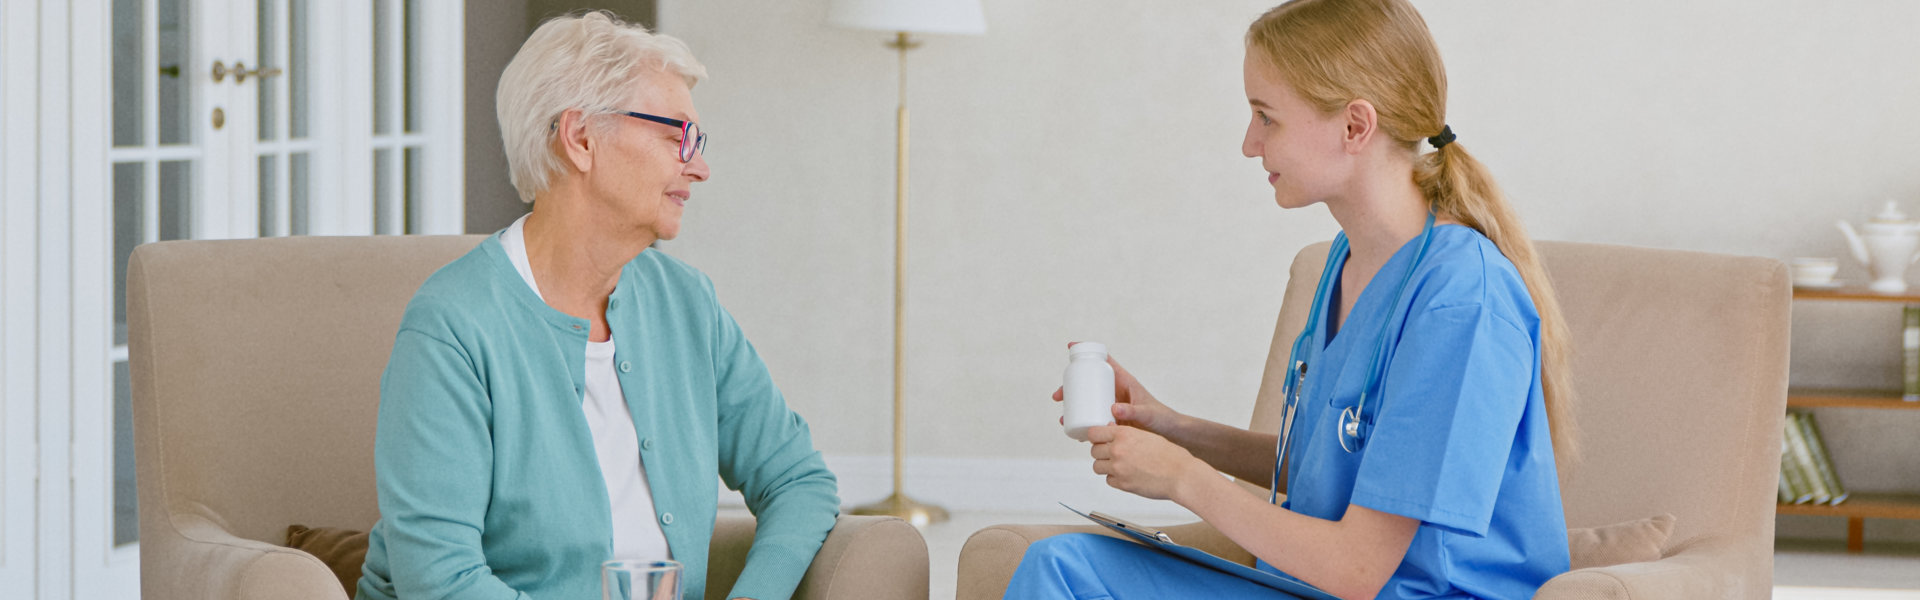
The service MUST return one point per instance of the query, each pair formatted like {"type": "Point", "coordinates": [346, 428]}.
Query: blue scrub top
{"type": "Point", "coordinates": [1459, 439]}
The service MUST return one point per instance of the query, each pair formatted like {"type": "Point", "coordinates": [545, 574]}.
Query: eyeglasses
{"type": "Point", "coordinates": [691, 140]}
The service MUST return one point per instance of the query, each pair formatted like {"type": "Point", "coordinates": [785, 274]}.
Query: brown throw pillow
{"type": "Point", "coordinates": [1641, 540]}
{"type": "Point", "coordinates": [343, 550]}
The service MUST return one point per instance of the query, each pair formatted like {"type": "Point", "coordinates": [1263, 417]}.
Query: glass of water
{"type": "Point", "coordinates": [640, 580]}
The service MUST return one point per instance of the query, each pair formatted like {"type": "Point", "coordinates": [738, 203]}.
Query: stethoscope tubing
{"type": "Point", "coordinates": [1351, 424]}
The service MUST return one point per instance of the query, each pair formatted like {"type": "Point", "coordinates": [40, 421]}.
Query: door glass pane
{"type": "Point", "coordinates": [126, 508]}
{"type": "Point", "coordinates": [382, 93]}
{"type": "Point", "coordinates": [267, 49]}
{"type": "Point", "coordinates": [176, 204]}
{"type": "Point", "coordinates": [297, 66]}
{"type": "Point", "coordinates": [129, 81]}
{"type": "Point", "coordinates": [269, 198]}
{"type": "Point", "coordinates": [382, 193]}
{"type": "Point", "coordinates": [298, 206]}
{"type": "Point", "coordinates": [129, 216]}
{"type": "Point", "coordinates": [175, 99]}
{"type": "Point", "coordinates": [412, 65]}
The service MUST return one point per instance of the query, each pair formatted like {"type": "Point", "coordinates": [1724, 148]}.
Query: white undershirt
{"type": "Point", "coordinates": [636, 535]}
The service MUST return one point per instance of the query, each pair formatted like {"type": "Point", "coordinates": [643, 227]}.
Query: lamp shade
{"type": "Point", "coordinates": [912, 16]}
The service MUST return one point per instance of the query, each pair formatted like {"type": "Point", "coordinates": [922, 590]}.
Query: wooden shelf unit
{"type": "Point", "coordinates": [1859, 506]}
{"type": "Point", "coordinates": [1848, 398]}
{"type": "Point", "coordinates": [1856, 292]}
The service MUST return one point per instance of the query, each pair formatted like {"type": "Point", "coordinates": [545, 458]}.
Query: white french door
{"type": "Point", "coordinates": [202, 119]}
{"type": "Point", "coordinates": [18, 461]}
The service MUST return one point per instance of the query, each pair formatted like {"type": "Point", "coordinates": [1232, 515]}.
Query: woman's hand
{"type": "Point", "coordinates": [1141, 462]}
{"type": "Point", "coordinates": [1132, 403]}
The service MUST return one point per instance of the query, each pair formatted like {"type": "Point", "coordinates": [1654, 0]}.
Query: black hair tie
{"type": "Point", "coordinates": [1445, 137]}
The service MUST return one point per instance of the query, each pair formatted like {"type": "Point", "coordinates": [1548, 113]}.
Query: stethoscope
{"type": "Point", "coordinates": [1353, 427]}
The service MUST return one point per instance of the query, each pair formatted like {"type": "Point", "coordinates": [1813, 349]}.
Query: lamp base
{"type": "Point", "coordinates": [899, 505]}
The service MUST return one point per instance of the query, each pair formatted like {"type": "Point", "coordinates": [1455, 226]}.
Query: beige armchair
{"type": "Point", "coordinates": [256, 370]}
{"type": "Point", "coordinates": [1680, 363]}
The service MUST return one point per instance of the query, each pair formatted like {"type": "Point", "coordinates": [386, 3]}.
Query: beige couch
{"type": "Point", "coordinates": [1680, 363]}
{"type": "Point", "coordinates": [256, 368]}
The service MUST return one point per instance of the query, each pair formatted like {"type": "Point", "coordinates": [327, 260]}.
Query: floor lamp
{"type": "Point", "coordinates": [904, 18]}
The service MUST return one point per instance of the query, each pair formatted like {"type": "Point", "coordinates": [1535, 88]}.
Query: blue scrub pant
{"type": "Point", "coordinates": [1084, 566]}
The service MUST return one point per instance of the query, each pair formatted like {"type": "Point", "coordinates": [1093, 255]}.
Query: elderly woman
{"type": "Point", "coordinates": [563, 394]}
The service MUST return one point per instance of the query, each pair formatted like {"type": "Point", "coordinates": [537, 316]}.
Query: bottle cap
{"type": "Point", "coordinates": [1087, 347]}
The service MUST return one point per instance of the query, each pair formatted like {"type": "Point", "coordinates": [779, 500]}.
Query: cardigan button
{"type": "Point", "coordinates": [626, 365]}
{"type": "Point", "coordinates": [646, 444]}
{"type": "Point", "coordinates": [666, 518]}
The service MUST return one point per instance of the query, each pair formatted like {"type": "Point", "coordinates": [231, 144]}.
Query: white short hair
{"type": "Point", "coordinates": [589, 61]}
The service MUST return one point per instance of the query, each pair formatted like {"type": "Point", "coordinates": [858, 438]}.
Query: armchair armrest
{"type": "Point", "coordinates": [201, 561]}
{"type": "Point", "coordinates": [1706, 568]}
{"type": "Point", "coordinates": [862, 558]}
{"type": "Point", "coordinates": [991, 555]}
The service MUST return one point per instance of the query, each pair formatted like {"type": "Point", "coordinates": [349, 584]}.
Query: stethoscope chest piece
{"type": "Point", "coordinates": [1350, 439]}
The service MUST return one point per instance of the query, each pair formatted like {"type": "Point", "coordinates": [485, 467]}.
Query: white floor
{"type": "Point", "coordinates": [1801, 570]}
{"type": "Point", "coordinates": [1823, 570]}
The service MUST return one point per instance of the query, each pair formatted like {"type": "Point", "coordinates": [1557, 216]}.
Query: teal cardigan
{"type": "Point", "coordinates": [488, 482]}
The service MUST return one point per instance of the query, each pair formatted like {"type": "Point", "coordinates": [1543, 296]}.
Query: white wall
{"type": "Point", "coordinates": [1076, 175]}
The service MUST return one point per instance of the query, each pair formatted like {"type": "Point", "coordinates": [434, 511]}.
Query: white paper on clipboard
{"type": "Point", "coordinates": [1159, 539]}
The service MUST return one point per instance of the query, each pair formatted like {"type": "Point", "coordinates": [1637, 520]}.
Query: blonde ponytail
{"type": "Point", "coordinates": [1337, 51]}
{"type": "Point", "coordinates": [1458, 187]}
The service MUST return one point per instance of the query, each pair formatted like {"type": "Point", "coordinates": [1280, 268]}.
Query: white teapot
{"type": "Point", "coordinates": [1887, 248]}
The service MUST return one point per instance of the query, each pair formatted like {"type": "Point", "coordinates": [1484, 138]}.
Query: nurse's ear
{"type": "Point", "coordinates": [1362, 123]}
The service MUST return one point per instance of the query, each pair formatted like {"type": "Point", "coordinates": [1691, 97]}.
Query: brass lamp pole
{"type": "Point", "coordinates": [898, 504]}
{"type": "Point", "coordinates": [903, 18]}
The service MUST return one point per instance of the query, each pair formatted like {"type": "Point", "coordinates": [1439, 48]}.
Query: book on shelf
{"type": "Point", "coordinates": [1807, 475]}
{"type": "Point", "coordinates": [1793, 483]}
{"type": "Point", "coordinates": [1802, 462]}
{"type": "Point", "coordinates": [1822, 461]}
{"type": "Point", "coordinates": [1910, 342]}
{"type": "Point", "coordinates": [1786, 489]}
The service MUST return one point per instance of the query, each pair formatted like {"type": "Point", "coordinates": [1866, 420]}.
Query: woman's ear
{"type": "Point", "coordinates": [1362, 123]}
{"type": "Point", "coordinates": [570, 132]}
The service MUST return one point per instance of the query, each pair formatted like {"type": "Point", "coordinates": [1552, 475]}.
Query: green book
{"type": "Point", "coordinates": [1799, 490]}
{"type": "Point", "coordinates": [1821, 461]}
{"type": "Point", "coordinates": [1911, 346]}
{"type": "Point", "coordinates": [1790, 484]}
{"type": "Point", "coordinates": [1786, 491]}
{"type": "Point", "coordinates": [1803, 460]}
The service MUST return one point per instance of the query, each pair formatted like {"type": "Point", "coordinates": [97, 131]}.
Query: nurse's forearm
{"type": "Point", "coordinates": [1246, 455]}
{"type": "Point", "coordinates": [1350, 558]}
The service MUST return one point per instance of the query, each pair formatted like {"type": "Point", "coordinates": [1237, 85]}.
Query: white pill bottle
{"type": "Point", "coordinates": [1088, 389]}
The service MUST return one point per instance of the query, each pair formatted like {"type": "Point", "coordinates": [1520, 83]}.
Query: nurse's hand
{"type": "Point", "coordinates": [1132, 403]}
{"type": "Point", "coordinates": [1142, 462]}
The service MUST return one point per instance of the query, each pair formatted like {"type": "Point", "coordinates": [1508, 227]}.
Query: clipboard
{"type": "Point", "coordinates": [1159, 539]}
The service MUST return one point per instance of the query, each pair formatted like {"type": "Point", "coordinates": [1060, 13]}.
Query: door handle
{"type": "Point", "coordinates": [240, 73]}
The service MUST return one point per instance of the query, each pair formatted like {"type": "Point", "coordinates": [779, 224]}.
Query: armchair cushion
{"type": "Point", "coordinates": [1639, 540]}
{"type": "Point", "coordinates": [1705, 567]}
{"type": "Point", "coordinates": [342, 550]}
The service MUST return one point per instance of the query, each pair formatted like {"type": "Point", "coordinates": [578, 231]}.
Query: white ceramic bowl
{"type": "Point", "coordinates": [1814, 271]}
